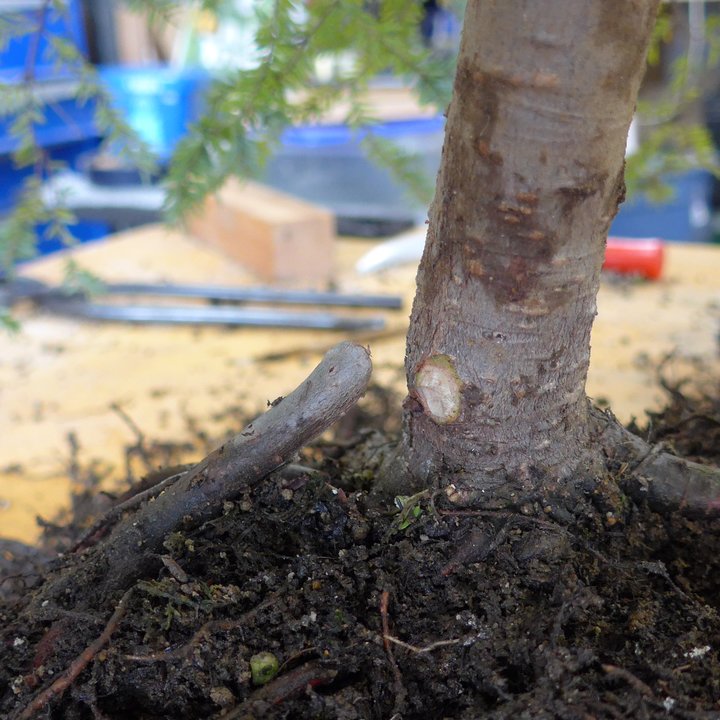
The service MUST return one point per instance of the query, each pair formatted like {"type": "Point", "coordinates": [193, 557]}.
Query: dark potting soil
{"type": "Point", "coordinates": [424, 611]}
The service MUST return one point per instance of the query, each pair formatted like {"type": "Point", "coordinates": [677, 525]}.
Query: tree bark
{"type": "Point", "coordinates": [531, 177]}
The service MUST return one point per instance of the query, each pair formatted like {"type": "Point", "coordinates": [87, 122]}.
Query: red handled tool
{"type": "Point", "coordinates": [635, 256]}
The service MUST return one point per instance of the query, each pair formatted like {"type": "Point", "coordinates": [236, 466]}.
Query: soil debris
{"type": "Point", "coordinates": [413, 612]}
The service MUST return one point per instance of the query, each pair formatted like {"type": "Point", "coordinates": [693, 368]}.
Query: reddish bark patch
{"type": "Point", "coordinates": [509, 256]}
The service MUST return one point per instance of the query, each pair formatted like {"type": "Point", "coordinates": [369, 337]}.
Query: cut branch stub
{"type": "Point", "coordinates": [438, 388]}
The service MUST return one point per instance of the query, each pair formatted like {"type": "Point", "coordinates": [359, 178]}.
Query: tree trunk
{"type": "Point", "coordinates": [531, 177]}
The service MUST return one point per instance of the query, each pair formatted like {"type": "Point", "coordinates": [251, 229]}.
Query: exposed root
{"type": "Point", "coordinates": [629, 678]}
{"type": "Point", "coordinates": [203, 633]}
{"type": "Point", "coordinates": [649, 474]}
{"type": "Point", "coordinates": [103, 524]}
{"type": "Point", "coordinates": [285, 687]}
{"type": "Point", "coordinates": [400, 692]}
{"type": "Point", "coordinates": [426, 648]}
{"type": "Point", "coordinates": [198, 495]}
{"type": "Point", "coordinates": [62, 683]}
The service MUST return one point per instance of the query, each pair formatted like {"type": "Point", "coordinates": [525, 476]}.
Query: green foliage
{"type": "Point", "coordinates": [661, 35]}
{"type": "Point", "coordinates": [78, 279]}
{"type": "Point", "coordinates": [666, 150]}
{"type": "Point", "coordinates": [673, 141]}
{"type": "Point", "coordinates": [247, 110]}
{"type": "Point", "coordinates": [12, 25]}
{"type": "Point", "coordinates": [407, 169]}
{"type": "Point", "coordinates": [156, 10]}
{"type": "Point", "coordinates": [8, 323]}
{"type": "Point", "coordinates": [111, 125]}
{"type": "Point", "coordinates": [17, 231]}
{"type": "Point", "coordinates": [410, 508]}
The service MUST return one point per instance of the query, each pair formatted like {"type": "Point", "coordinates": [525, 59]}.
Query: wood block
{"type": "Point", "coordinates": [276, 236]}
{"type": "Point", "coordinates": [142, 42]}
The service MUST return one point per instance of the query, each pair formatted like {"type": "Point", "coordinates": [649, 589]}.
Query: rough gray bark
{"type": "Point", "coordinates": [271, 440]}
{"type": "Point", "coordinates": [531, 176]}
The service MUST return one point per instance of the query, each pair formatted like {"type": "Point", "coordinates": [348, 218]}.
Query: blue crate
{"type": "Point", "coordinates": [66, 24]}
{"type": "Point", "coordinates": [339, 136]}
{"type": "Point", "coordinates": [12, 178]}
{"type": "Point", "coordinates": [83, 231]}
{"type": "Point", "coordinates": [65, 120]}
{"type": "Point", "coordinates": [159, 103]}
{"type": "Point", "coordinates": [66, 123]}
{"type": "Point", "coordinates": [685, 217]}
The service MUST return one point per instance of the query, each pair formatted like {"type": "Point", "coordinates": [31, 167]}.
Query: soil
{"type": "Point", "coordinates": [369, 611]}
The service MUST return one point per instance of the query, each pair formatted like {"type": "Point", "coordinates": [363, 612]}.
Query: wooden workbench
{"type": "Point", "coordinates": [61, 378]}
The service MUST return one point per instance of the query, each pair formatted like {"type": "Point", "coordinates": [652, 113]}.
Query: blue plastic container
{"type": "Point", "coordinates": [66, 24]}
{"type": "Point", "coordinates": [327, 165]}
{"type": "Point", "coordinates": [159, 103]}
{"type": "Point", "coordinates": [83, 231]}
{"type": "Point", "coordinates": [685, 217]}
{"type": "Point", "coordinates": [67, 128]}
{"type": "Point", "coordinates": [65, 120]}
{"type": "Point", "coordinates": [12, 178]}
{"type": "Point", "coordinates": [339, 136]}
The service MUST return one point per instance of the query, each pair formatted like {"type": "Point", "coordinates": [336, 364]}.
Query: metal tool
{"type": "Point", "coordinates": [258, 295]}
{"type": "Point", "coordinates": [62, 301]}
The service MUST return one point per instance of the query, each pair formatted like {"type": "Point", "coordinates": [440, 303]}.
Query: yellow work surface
{"type": "Point", "coordinates": [63, 378]}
